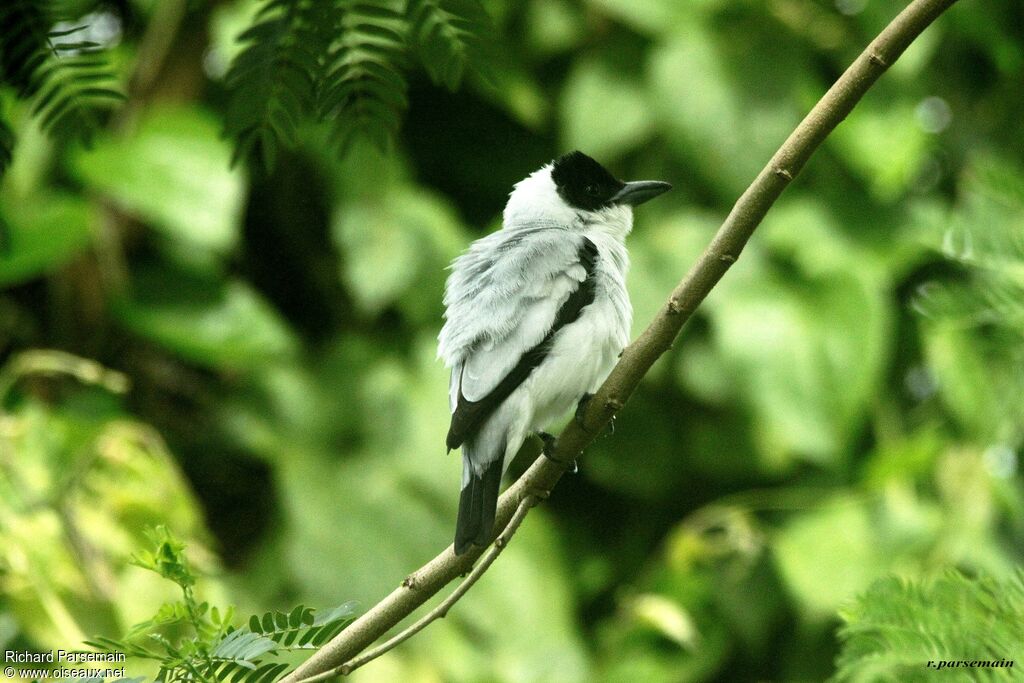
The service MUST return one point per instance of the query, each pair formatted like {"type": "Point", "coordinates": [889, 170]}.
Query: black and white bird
{"type": "Point", "coordinates": [536, 315]}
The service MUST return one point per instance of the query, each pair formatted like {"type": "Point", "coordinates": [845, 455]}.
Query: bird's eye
{"type": "Point", "coordinates": [592, 190]}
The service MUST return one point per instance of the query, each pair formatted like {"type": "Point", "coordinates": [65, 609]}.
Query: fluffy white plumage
{"type": "Point", "coordinates": [502, 299]}
{"type": "Point", "coordinates": [503, 295]}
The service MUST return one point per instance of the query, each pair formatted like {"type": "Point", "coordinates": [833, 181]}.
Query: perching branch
{"type": "Point", "coordinates": [441, 610]}
{"type": "Point", "coordinates": [639, 356]}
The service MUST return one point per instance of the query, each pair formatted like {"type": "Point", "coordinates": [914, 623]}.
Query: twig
{"type": "Point", "coordinates": [52, 362]}
{"type": "Point", "coordinates": [151, 57]}
{"type": "Point", "coordinates": [639, 356]}
{"type": "Point", "coordinates": [442, 609]}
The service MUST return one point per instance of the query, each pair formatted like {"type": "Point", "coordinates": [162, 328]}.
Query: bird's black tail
{"type": "Point", "coordinates": [479, 498]}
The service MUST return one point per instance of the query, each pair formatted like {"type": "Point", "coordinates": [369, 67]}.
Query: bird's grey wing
{"type": "Point", "coordinates": [553, 276]}
{"type": "Point", "coordinates": [490, 283]}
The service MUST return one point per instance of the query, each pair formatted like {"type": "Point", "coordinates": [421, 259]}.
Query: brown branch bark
{"type": "Point", "coordinates": [441, 610]}
{"type": "Point", "coordinates": [636, 360]}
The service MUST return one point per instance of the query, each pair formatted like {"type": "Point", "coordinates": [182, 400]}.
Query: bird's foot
{"type": "Point", "coordinates": [581, 414]}
{"type": "Point", "coordinates": [581, 411]}
{"type": "Point", "coordinates": [550, 444]}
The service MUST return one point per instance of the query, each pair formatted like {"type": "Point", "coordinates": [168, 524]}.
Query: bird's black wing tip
{"type": "Point", "coordinates": [453, 440]}
{"type": "Point", "coordinates": [478, 502]}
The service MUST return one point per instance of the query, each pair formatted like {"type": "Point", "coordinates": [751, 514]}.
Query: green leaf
{"type": "Point", "coordinates": [277, 630]}
{"type": "Point", "coordinates": [221, 324]}
{"type": "Point", "coordinates": [272, 81]}
{"type": "Point", "coordinates": [452, 37]}
{"type": "Point", "coordinates": [978, 377]}
{"type": "Point", "coordinates": [884, 144]}
{"type": "Point", "coordinates": [653, 16]}
{"type": "Point", "coordinates": [343, 612]}
{"type": "Point", "coordinates": [554, 26]}
{"type": "Point", "coordinates": [715, 115]}
{"type": "Point", "coordinates": [661, 250]}
{"type": "Point", "coordinates": [69, 83]}
{"type": "Point", "coordinates": [43, 233]}
{"type": "Point", "coordinates": [361, 89]}
{"type": "Point", "coordinates": [806, 357]}
{"type": "Point", "coordinates": [173, 172]}
{"type": "Point", "coordinates": [828, 555]}
{"type": "Point", "coordinates": [622, 120]}
{"type": "Point", "coordinates": [395, 249]}
{"type": "Point", "coordinates": [243, 646]}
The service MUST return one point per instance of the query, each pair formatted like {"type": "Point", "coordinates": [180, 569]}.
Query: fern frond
{"type": "Point", "coordinates": [342, 62]}
{"type": "Point", "coordinates": [126, 646]}
{"type": "Point", "coordinates": [302, 628]}
{"type": "Point", "coordinates": [69, 80]}
{"type": "Point", "coordinates": [451, 36]}
{"type": "Point", "coordinates": [24, 44]}
{"type": "Point", "coordinates": [238, 650]}
{"type": "Point", "coordinates": [243, 645]}
{"type": "Point", "coordinates": [362, 92]}
{"type": "Point", "coordinates": [338, 62]}
{"type": "Point", "coordinates": [895, 628]}
{"type": "Point", "coordinates": [216, 651]}
{"type": "Point", "coordinates": [272, 80]}
{"type": "Point", "coordinates": [238, 655]}
{"type": "Point", "coordinates": [236, 673]}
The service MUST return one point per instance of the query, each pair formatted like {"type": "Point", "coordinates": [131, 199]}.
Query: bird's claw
{"type": "Point", "coordinates": [581, 414]}
{"type": "Point", "coordinates": [581, 411]}
{"type": "Point", "coordinates": [550, 444]}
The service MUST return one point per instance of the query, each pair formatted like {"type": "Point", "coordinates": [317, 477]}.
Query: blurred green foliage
{"type": "Point", "coordinates": [193, 641]}
{"type": "Point", "coordinates": [845, 408]}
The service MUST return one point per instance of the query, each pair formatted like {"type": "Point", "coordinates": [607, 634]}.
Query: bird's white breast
{"type": "Point", "coordinates": [584, 352]}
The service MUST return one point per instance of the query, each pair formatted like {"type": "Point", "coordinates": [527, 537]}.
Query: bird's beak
{"type": "Point", "coordinates": [640, 191]}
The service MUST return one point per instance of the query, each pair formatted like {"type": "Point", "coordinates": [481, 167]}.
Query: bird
{"type": "Point", "coordinates": [536, 314]}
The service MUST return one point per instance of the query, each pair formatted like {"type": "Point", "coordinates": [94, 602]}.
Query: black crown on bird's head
{"type": "Point", "coordinates": [585, 184]}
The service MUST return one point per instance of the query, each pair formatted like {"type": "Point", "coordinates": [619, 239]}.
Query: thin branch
{"type": "Point", "coordinates": [151, 58]}
{"type": "Point", "coordinates": [53, 362]}
{"type": "Point", "coordinates": [638, 357]}
{"type": "Point", "coordinates": [442, 609]}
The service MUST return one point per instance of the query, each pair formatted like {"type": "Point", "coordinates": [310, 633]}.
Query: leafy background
{"type": "Point", "coordinates": [842, 418]}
